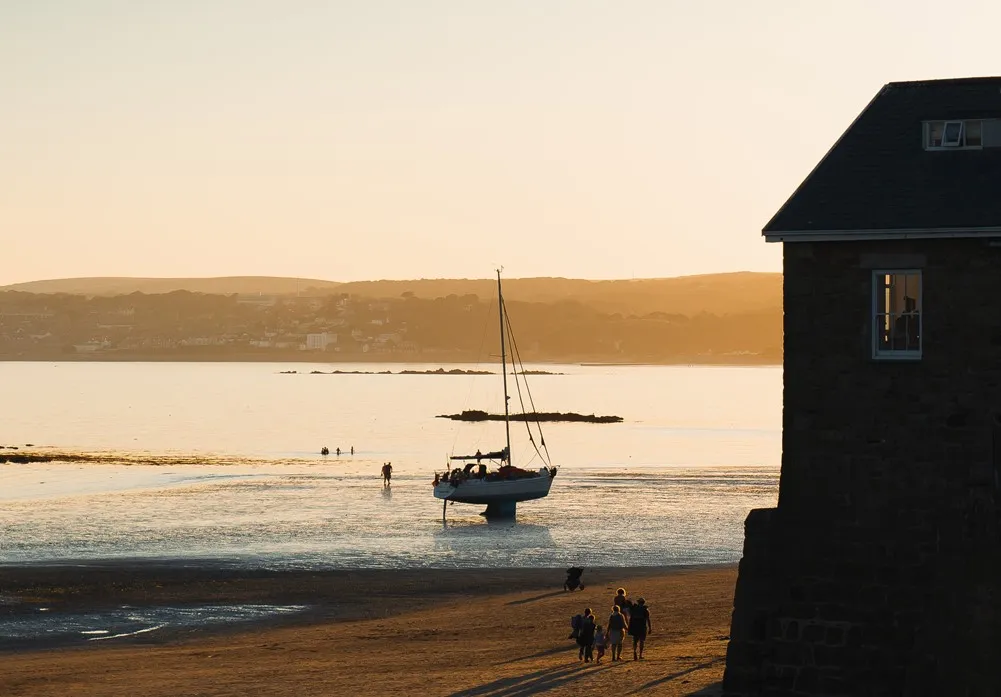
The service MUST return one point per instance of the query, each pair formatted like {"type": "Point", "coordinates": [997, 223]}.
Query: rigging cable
{"type": "Point", "coordinates": [516, 360]}
{"type": "Point", "coordinates": [479, 361]}
{"type": "Point", "coordinates": [528, 389]}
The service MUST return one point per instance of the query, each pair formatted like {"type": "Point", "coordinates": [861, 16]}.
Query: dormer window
{"type": "Point", "coordinates": [953, 135]}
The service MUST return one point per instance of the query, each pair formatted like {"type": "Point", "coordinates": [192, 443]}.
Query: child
{"type": "Point", "coordinates": [600, 640]}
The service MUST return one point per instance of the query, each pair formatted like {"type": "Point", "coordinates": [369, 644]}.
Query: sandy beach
{"type": "Point", "coordinates": [453, 633]}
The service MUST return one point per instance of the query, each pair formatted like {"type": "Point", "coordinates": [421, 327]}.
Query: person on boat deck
{"type": "Point", "coordinates": [479, 455]}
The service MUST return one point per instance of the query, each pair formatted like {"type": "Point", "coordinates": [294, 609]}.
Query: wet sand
{"type": "Point", "coordinates": [453, 633]}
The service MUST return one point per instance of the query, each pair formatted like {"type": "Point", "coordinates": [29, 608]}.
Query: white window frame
{"type": "Point", "coordinates": [958, 143]}
{"type": "Point", "coordinates": [874, 316]}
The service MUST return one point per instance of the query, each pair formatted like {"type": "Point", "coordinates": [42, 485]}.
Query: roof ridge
{"type": "Point", "coordinates": [978, 80]}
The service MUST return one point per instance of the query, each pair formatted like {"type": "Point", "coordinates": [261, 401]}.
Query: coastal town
{"type": "Point", "coordinates": [340, 327]}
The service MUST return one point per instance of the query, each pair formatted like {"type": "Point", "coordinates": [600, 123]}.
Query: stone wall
{"type": "Point", "coordinates": [879, 570]}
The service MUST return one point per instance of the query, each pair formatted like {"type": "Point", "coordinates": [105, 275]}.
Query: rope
{"type": "Point", "coordinates": [516, 359]}
{"type": "Point", "coordinates": [479, 361]}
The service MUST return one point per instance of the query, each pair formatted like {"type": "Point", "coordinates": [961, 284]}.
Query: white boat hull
{"type": "Point", "coordinates": [483, 491]}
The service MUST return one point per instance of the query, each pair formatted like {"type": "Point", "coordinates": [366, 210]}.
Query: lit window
{"type": "Point", "coordinates": [896, 302]}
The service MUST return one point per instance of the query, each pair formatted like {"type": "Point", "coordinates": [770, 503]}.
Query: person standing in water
{"type": "Point", "coordinates": [387, 473]}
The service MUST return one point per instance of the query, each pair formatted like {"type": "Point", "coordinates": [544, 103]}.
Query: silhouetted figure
{"type": "Point", "coordinates": [387, 473]}
{"type": "Point", "coordinates": [338, 451]}
{"type": "Point", "coordinates": [479, 455]}
{"type": "Point", "coordinates": [585, 640]}
{"type": "Point", "coordinates": [325, 450]}
{"type": "Point", "coordinates": [573, 579]}
{"type": "Point", "coordinates": [639, 625]}
{"type": "Point", "coordinates": [352, 450]}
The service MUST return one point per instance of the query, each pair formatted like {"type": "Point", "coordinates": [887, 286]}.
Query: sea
{"type": "Point", "coordinates": [220, 462]}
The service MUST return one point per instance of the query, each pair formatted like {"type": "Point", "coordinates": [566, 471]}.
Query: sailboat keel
{"type": "Point", "coordinates": [501, 509]}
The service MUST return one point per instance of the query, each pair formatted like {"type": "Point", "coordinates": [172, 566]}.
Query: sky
{"type": "Point", "coordinates": [377, 139]}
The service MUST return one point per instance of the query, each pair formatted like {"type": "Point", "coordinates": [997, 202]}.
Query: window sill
{"type": "Point", "coordinates": [897, 356]}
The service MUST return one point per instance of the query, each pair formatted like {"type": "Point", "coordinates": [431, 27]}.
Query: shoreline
{"type": "Point", "coordinates": [297, 357]}
{"type": "Point", "coordinates": [368, 632]}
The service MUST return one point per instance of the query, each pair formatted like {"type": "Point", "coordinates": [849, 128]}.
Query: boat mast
{"type": "Point", "coordinates": [507, 417]}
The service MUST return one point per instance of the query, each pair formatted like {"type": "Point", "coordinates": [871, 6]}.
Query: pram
{"type": "Point", "coordinates": [573, 581]}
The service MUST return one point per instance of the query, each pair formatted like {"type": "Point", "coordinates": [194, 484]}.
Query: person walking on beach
{"type": "Point", "coordinates": [639, 625]}
{"type": "Point", "coordinates": [387, 473]}
{"type": "Point", "coordinates": [586, 638]}
{"type": "Point", "coordinates": [600, 639]}
{"type": "Point", "coordinates": [616, 632]}
{"type": "Point", "coordinates": [623, 603]}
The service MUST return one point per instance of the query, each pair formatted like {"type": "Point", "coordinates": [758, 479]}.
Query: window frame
{"type": "Point", "coordinates": [874, 314]}
{"type": "Point", "coordinates": [961, 145]}
{"type": "Point", "coordinates": [959, 142]}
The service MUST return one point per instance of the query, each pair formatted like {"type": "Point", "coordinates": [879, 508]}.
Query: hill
{"type": "Point", "coordinates": [222, 285]}
{"type": "Point", "coordinates": [719, 294]}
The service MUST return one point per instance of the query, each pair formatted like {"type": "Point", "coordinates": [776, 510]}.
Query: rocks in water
{"type": "Point", "coordinates": [23, 459]}
{"type": "Point", "coordinates": [548, 416]}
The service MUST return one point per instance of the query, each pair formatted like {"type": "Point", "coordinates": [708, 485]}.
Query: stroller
{"type": "Point", "coordinates": [573, 581]}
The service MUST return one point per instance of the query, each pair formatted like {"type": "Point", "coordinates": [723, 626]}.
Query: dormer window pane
{"type": "Point", "coordinates": [973, 134]}
{"type": "Point", "coordinates": [952, 137]}
{"type": "Point", "coordinates": [935, 129]}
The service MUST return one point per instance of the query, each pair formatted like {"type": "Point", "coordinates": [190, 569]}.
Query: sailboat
{"type": "Point", "coordinates": [501, 489]}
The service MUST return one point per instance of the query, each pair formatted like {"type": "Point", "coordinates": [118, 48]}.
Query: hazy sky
{"type": "Point", "coordinates": [427, 138]}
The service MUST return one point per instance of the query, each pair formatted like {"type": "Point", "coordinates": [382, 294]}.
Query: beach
{"type": "Point", "coordinates": [447, 632]}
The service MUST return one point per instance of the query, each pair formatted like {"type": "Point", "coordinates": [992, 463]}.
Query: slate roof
{"type": "Point", "coordinates": [879, 177]}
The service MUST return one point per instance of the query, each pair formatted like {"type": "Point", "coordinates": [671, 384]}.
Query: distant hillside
{"type": "Point", "coordinates": [720, 294]}
{"type": "Point", "coordinates": [223, 285]}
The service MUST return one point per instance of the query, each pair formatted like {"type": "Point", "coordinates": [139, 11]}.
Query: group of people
{"type": "Point", "coordinates": [627, 618]}
{"type": "Point", "coordinates": [326, 451]}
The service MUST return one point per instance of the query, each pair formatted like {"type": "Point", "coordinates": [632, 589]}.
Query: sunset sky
{"type": "Point", "coordinates": [426, 138]}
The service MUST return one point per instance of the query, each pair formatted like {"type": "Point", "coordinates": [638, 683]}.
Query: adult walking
{"type": "Point", "coordinates": [639, 625]}
{"type": "Point", "coordinates": [616, 632]}
{"type": "Point", "coordinates": [585, 639]}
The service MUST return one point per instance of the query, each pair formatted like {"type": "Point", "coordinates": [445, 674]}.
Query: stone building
{"type": "Point", "coordinates": [878, 571]}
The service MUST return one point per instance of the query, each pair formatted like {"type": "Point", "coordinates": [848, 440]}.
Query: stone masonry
{"type": "Point", "coordinates": [879, 571]}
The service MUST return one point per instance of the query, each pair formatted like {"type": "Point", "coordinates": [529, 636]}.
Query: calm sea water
{"type": "Point", "coordinates": [220, 461]}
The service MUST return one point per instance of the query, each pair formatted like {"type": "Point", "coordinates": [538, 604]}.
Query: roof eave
{"type": "Point", "coordinates": [892, 234]}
